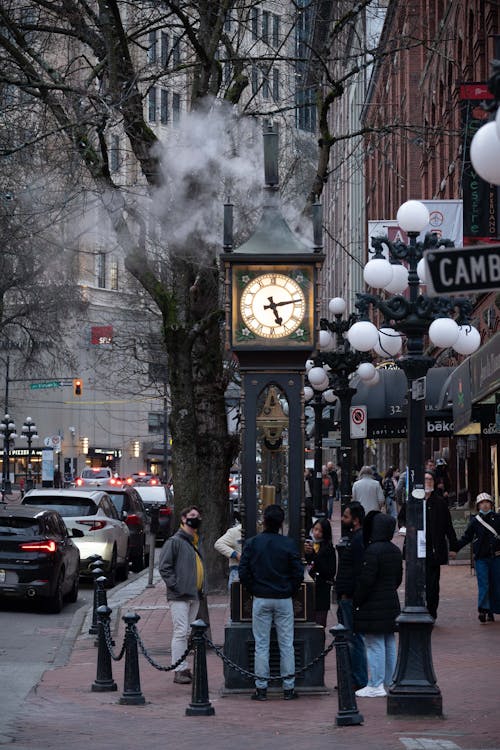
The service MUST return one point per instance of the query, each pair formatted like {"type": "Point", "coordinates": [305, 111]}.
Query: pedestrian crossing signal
{"type": "Point", "coordinates": [77, 387]}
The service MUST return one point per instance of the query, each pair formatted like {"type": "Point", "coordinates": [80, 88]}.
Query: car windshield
{"type": "Point", "coordinates": [117, 501]}
{"type": "Point", "coordinates": [16, 525]}
{"type": "Point", "coordinates": [95, 473]}
{"type": "Point", "coordinates": [66, 506]}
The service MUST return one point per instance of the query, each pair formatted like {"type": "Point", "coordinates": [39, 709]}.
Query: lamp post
{"type": "Point", "coordinates": [29, 433]}
{"type": "Point", "coordinates": [318, 396]}
{"type": "Point", "coordinates": [414, 690]}
{"type": "Point", "coordinates": [8, 432]}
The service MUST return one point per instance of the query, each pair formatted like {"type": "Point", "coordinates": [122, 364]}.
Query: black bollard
{"type": "Point", "coordinates": [102, 598]}
{"type": "Point", "coordinates": [104, 678]}
{"type": "Point", "coordinates": [200, 705]}
{"type": "Point", "coordinates": [132, 695]}
{"type": "Point", "coordinates": [96, 569]}
{"type": "Point", "coordinates": [348, 714]}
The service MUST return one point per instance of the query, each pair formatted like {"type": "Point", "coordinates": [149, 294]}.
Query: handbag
{"type": "Point", "coordinates": [490, 528]}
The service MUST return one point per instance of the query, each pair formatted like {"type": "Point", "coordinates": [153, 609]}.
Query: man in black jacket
{"type": "Point", "coordinates": [271, 570]}
{"type": "Point", "coordinates": [351, 551]}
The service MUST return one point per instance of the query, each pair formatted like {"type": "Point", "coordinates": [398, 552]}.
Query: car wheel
{"type": "Point", "coordinates": [54, 603]}
{"type": "Point", "coordinates": [138, 561]}
{"type": "Point", "coordinates": [73, 592]}
{"type": "Point", "coordinates": [111, 572]}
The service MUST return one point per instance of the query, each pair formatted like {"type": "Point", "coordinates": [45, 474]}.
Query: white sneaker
{"type": "Point", "coordinates": [371, 692]}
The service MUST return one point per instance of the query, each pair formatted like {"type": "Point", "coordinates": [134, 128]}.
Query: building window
{"type": "Point", "coordinates": [227, 73]}
{"type": "Point", "coordinates": [276, 84]}
{"type": "Point", "coordinates": [266, 90]}
{"type": "Point", "coordinates": [113, 274]}
{"type": "Point", "coordinates": [156, 421]}
{"type": "Point", "coordinates": [176, 50]}
{"type": "Point", "coordinates": [114, 153]}
{"type": "Point", "coordinates": [101, 270]}
{"type": "Point", "coordinates": [176, 108]}
{"type": "Point", "coordinates": [306, 110]}
{"type": "Point", "coordinates": [276, 30]}
{"type": "Point", "coordinates": [152, 104]}
{"type": "Point", "coordinates": [265, 26]}
{"type": "Point", "coordinates": [254, 22]}
{"type": "Point", "coordinates": [227, 23]}
{"type": "Point", "coordinates": [152, 42]}
{"type": "Point", "coordinates": [255, 80]}
{"type": "Point", "coordinates": [163, 106]}
{"type": "Point", "coordinates": [164, 49]}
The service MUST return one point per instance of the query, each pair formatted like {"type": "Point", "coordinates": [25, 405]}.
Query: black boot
{"type": "Point", "coordinates": [260, 694]}
{"type": "Point", "coordinates": [490, 616]}
{"type": "Point", "coordinates": [290, 695]}
{"type": "Point", "coordinates": [482, 615]}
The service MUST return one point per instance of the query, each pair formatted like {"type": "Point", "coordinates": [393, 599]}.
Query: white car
{"type": "Point", "coordinates": [95, 476]}
{"type": "Point", "coordinates": [93, 512]}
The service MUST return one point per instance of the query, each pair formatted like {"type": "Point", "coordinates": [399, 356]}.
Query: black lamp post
{"type": "Point", "coordinates": [29, 433]}
{"type": "Point", "coordinates": [8, 432]}
{"type": "Point", "coordinates": [318, 400]}
{"type": "Point", "coordinates": [414, 690]}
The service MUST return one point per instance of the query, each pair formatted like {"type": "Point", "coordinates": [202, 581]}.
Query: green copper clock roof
{"type": "Point", "coordinates": [273, 236]}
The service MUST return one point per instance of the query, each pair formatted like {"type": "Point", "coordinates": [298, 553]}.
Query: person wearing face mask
{"type": "Point", "coordinates": [484, 533]}
{"type": "Point", "coordinates": [181, 567]}
{"type": "Point", "coordinates": [320, 557]}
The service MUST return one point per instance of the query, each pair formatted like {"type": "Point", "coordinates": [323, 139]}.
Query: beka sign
{"type": "Point", "coordinates": [462, 270]}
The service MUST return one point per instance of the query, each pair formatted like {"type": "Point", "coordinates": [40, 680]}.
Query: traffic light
{"type": "Point", "coordinates": [77, 387]}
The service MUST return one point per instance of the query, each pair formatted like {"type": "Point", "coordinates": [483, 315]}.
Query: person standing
{"type": "Point", "coordinates": [229, 545]}
{"type": "Point", "coordinates": [181, 567]}
{"type": "Point", "coordinates": [320, 556]}
{"type": "Point", "coordinates": [367, 490]}
{"type": "Point", "coordinates": [440, 537]}
{"type": "Point", "coordinates": [376, 602]}
{"type": "Point", "coordinates": [326, 489]}
{"type": "Point", "coordinates": [334, 487]}
{"type": "Point", "coordinates": [389, 488]}
{"type": "Point", "coordinates": [271, 570]}
{"type": "Point", "coordinates": [484, 533]}
{"type": "Point", "coordinates": [350, 552]}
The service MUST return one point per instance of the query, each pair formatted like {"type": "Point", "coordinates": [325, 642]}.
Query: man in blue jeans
{"type": "Point", "coordinates": [271, 570]}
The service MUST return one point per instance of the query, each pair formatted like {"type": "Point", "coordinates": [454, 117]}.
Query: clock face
{"type": "Point", "coordinates": [272, 305]}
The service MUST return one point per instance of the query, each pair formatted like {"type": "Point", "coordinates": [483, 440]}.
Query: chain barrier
{"type": "Point", "coordinates": [109, 642]}
{"type": "Point", "coordinates": [246, 673]}
{"type": "Point", "coordinates": [150, 659]}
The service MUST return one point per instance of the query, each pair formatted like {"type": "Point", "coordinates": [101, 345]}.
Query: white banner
{"type": "Point", "coordinates": [446, 219]}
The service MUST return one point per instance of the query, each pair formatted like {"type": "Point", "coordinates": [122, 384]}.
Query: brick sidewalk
{"type": "Point", "coordinates": [62, 711]}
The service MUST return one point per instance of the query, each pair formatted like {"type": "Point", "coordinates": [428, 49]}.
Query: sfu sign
{"type": "Point", "coordinates": [463, 270]}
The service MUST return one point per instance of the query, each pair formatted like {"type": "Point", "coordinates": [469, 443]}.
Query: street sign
{"type": "Point", "coordinates": [358, 422]}
{"type": "Point", "coordinates": [45, 384]}
{"type": "Point", "coordinates": [462, 270]}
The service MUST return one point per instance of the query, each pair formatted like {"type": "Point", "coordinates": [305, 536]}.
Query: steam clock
{"type": "Point", "coordinates": [271, 285]}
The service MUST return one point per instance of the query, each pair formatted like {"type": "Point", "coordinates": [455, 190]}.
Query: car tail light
{"type": "Point", "coordinates": [153, 481]}
{"type": "Point", "coordinates": [93, 525]}
{"type": "Point", "coordinates": [130, 480]}
{"type": "Point", "coordinates": [165, 511]}
{"type": "Point", "coordinates": [133, 520]}
{"type": "Point", "coordinates": [79, 482]}
{"type": "Point", "coordinates": [48, 545]}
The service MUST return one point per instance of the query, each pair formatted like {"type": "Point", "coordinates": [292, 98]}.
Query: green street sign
{"type": "Point", "coordinates": [45, 384]}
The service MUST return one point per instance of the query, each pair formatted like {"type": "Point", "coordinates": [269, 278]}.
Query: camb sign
{"type": "Point", "coordinates": [463, 270]}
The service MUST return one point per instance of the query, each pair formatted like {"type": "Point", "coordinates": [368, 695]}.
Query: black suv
{"type": "Point", "coordinates": [131, 508]}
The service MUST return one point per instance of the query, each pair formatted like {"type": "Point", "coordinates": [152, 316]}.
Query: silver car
{"type": "Point", "coordinates": [94, 476]}
{"type": "Point", "coordinates": [91, 511]}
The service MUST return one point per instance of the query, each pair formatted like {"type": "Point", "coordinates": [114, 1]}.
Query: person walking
{"type": "Point", "coordinates": [484, 533]}
{"type": "Point", "coordinates": [389, 489]}
{"type": "Point", "coordinates": [271, 570]}
{"type": "Point", "coordinates": [320, 557]}
{"type": "Point", "coordinates": [440, 537]}
{"type": "Point", "coordinates": [229, 545]}
{"type": "Point", "coordinates": [351, 552]}
{"type": "Point", "coordinates": [181, 567]}
{"type": "Point", "coordinates": [376, 602]}
{"type": "Point", "coordinates": [368, 491]}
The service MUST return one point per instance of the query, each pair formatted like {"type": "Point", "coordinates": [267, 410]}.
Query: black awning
{"type": "Point", "coordinates": [388, 398]}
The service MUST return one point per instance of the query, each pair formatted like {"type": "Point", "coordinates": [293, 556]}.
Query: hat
{"type": "Point", "coordinates": [440, 462]}
{"type": "Point", "coordinates": [483, 496]}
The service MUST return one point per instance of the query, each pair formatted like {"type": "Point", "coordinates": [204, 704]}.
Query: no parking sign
{"type": "Point", "coordinates": [359, 427]}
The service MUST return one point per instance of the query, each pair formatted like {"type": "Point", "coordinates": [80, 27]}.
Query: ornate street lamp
{"type": "Point", "coordinates": [29, 433]}
{"type": "Point", "coordinates": [414, 690]}
{"type": "Point", "coordinates": [318, 396]}
{"type": "Point", "coordinates": [8, 432]}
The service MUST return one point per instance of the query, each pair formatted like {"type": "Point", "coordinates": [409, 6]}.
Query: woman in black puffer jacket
{"type": "Point", "coordinates": [376, 601]}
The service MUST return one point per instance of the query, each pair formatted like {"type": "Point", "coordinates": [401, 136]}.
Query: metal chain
{"type": "Point", "coordinates": [109, 642]}
{"type": "Point", "coordinates": [154, 663]}
{"type": "Point", "coordinates": [246, 673]}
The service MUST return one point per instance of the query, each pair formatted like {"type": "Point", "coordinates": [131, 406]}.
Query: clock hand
{"type": "Point", "coordinates": [273, 306]}
{"type": "Point", "coordinates": [287, 302]}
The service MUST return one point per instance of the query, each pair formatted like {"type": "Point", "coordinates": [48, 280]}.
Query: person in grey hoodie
{"type": "Point", "coordinates": [181, 567]}
{"type": "Point", "coordinates": [376, 601]}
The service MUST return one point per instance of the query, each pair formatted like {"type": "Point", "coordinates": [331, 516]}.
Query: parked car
{"type": "Point", "coordinates": [38, 558]}
{"type": "Point", "coordinates": [142, 477]}
{"type": "Point", "coordinates": [131, 509]}
{"type": "Point", "coordinates": [91, 511]}
{"type": "Point", "coordinates": [160, 496]}
{"type": "Point", "coordinates": [95, 476]}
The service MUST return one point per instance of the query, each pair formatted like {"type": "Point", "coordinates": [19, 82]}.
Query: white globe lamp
{"type": "Point", "coordinates": [389, 343]}
{"type": "Point", "coordinates": [422, 271]}
{"type": "Point", "coordinates": [468, 340]}
{"type": "Point", "coordinates": [308, 393]}
{"type": "Point", "coordinates": [378, 273]}
{"type": "Point", "coordinates": [363, 335]}
{"type": "Point", "coordinates": [413, 216]}
{"type": "Point", "coordinates": [337, 306]}
{"type": "Point", "coordinates": [329, 396]}
{"type": "Point", "coordinates": [366, 370]}
{"type": "Point", "coordinates": [485, 153]}
{"type": "Point", "coordinates": [309, 364]}
{"type": "Point", "coordinates": [443, 332]}
{"type": "Point", "coordinates": [326, 341]}
{"type": "Point", "coordinates": [399, 281]}
{"type": "Point", "coordinates": [317, 376]}
{"type": "Point", "coordinates": [374, 380]}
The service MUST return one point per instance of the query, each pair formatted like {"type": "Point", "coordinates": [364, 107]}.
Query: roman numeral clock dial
{"type": "Point", "coordinates": [272, 305]}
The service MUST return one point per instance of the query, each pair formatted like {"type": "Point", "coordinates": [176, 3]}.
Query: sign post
{"type": "Point", "coordinates": [463, 270]}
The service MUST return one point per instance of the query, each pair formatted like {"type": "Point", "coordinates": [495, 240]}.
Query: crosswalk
{"type": "Point", "coordinates": [429, 743]}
